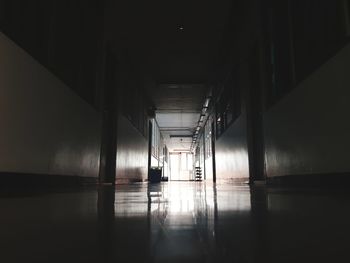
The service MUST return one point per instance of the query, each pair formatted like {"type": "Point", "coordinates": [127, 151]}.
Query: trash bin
{"type": "Point", "coordinates": [165, 179]}
{"type": "Point", "coordinates": [155, 174]}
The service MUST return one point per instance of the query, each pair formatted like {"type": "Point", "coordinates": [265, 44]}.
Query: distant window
{"type": "Point", "coordinates": [218, 121]}
{"type": "Point", "coordinates": [228, 106]}
{"type": "Point", "coordinates": [208, 139]}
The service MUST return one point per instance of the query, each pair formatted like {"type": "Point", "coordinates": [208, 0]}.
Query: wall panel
{"type": "Point", "coordinates": [45, 127]}
{"type": "Point", "coordinates": [307, 132]}
{"type": "Point", "coordinates": [231, 152]}
{"type": "Point", "coordinates": [132, 153]}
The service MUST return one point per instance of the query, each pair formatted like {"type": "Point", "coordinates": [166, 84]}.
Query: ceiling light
{"type": "Point", "coordinates": [173, 86]}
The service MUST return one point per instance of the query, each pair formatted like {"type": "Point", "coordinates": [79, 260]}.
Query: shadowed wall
{"type": "Point", "coordinates": [45, 127]}
{"type": "Point", "coordinates": [132, 153]}
{"type": "Point", "coordinates": [307, 132]}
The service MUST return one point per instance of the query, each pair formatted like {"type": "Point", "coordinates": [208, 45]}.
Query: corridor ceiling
{"type": "Point", "coordinates": [176, 44]}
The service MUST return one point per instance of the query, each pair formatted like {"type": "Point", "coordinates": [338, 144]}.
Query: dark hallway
{"type": "Point", "coordinates": [157, 131]}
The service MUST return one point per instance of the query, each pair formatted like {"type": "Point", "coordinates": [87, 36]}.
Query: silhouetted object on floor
{"type": "Point", "coordinates": [165, 179]}
{"type": "Point", "coordinates": [155, 174]}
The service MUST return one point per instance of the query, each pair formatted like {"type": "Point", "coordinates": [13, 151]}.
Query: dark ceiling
{"type": "Point", "coordinates": [179, 97]}
{"type": "Point", "coordinates": [151, 32]}
{"type": "Point", "coordinates": [174, 43]}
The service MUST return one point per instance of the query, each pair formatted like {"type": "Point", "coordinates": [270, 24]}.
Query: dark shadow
{"type": "Point", "coordinates": [105, 208]}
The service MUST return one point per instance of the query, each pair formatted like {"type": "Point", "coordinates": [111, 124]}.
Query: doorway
{"type": "Point", "coordinates": [181, 167]}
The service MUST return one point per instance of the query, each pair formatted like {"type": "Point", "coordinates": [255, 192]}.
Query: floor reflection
{"type": "Point", "coordinates": [182, 218]}
{"type": "Point", "coordinates": [180, 198]}
{"type": "Point", "coordinates": [176, 222]}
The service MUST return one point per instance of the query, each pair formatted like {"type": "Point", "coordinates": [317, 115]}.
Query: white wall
{"type": "Point", "coordinates": [132, 153]}
{"type": "Point", "coordinates": [231, 152]}
{"type": "Point", "coordinates": [45, 128]}
{"type": "Point", "coordinates": [307, 132]}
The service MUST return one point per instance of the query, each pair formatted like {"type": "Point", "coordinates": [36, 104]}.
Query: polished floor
{"type": "Point", "coordinates": [176, 222]}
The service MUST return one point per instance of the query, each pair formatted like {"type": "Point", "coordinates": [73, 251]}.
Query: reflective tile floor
{"type": "Point", "coordinates": [176, 222]}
